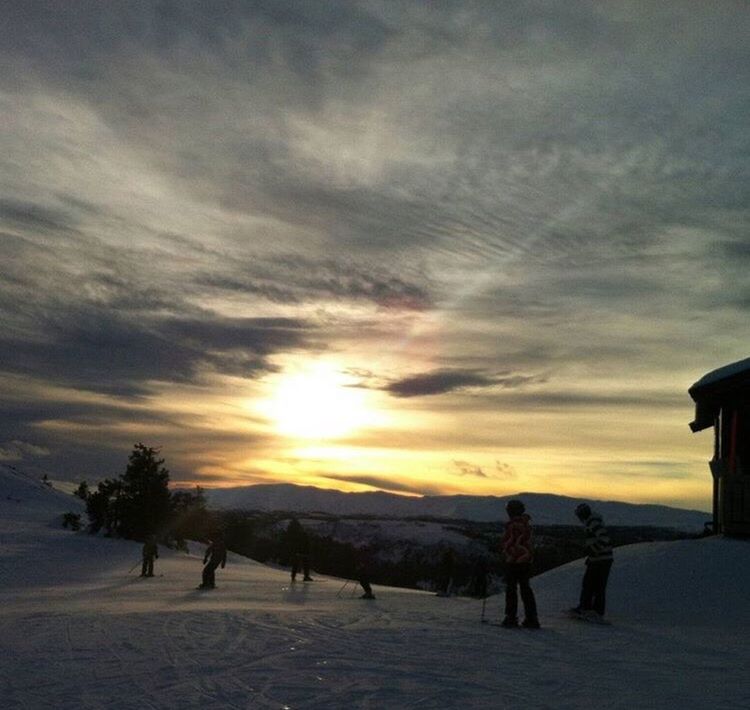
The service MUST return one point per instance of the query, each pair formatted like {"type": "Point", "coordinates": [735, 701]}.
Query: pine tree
{"type": "Point", "coordinates": [144, 502]}
{"type": "Point", "coordinates": [82, 491]}
{"type": "Point", "coordinates": [103, 507]}
{"type": "Point", "coordinates": [189, 516]}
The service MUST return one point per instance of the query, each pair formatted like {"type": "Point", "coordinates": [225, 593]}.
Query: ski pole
{"type": "Point", "coordinates": [484, 604]}
{"type": "Point", "coordinates": [341, 591]}
{"type": "Point", "coordinates": [134, 566]}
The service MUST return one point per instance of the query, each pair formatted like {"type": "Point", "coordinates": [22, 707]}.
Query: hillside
{"type": "Point", "coordinates": [78, 632]}
{"type": "Point", "coordinates": [545, 509]}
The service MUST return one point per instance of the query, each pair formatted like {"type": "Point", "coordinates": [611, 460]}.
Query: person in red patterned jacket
{"type": "Point", "coordinates": [518, 552]}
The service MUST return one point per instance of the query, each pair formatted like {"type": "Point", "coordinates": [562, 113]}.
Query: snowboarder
{"type": "Point", "coordinates": [518, 552]}
{"type": "Point", "coordinates": [299, 547]}
{"type": "Point", "coordinates": [216, 554]}
{"type": "Point", "coordinates": [598, 564]}
{"type": "Point", "coordinates": [150, 553]}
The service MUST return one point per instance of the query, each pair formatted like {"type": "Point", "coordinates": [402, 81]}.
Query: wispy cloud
{"type": "Point", "coordinates": [445, 381]}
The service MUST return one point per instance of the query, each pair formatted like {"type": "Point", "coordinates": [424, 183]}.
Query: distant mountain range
{"type": "Point", "coordinates": [545, 509]}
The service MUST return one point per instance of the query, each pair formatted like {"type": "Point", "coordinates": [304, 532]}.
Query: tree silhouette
{"type": "Point", "coordinates": [102, 507]}
{"type": "Point", "coordinates": [82, 491]}
{"type": "Point", "coordinates": [144, 501]}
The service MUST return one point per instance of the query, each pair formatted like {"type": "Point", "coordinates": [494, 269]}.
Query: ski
{"type": "Point", "coordinates": [591, 618]}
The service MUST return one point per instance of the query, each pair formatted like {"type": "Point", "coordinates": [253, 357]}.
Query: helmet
{"type": "Point", "coordinates": [583, 511]}
{"type": "Point", "coordinates": [515, 507]}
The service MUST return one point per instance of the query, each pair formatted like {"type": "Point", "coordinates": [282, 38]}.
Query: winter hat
{"type": "Point", "coordinates": [583, 511]}
{"type": "Point", "coordinates": [515, 507]}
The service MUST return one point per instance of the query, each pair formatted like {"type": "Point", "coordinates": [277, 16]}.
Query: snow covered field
{"type": "Point", "coordinates": [78, 631]}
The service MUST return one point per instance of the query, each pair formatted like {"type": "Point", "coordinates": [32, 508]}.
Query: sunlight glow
{"type": "Point", "coordinates": [319, 402]}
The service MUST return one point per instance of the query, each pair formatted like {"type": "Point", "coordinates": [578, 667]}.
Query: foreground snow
{"type": "Point", "coordinates": [78, 631]}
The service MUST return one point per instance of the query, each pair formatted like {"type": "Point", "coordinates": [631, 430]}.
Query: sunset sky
{"type": "Point", "coordinates": [476, 247]}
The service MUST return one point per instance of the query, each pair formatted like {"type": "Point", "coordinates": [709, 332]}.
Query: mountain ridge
{"type": "Point", "coordinates": [544, 508]}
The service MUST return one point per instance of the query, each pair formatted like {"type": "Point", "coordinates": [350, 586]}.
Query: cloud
{"type": "Point", "coordinates": [298, 280]}
{"type": "Point", "coordinates": [385, 483]}
{"type": "Point", "coordinates": [107, 351]}
{"type": "Point", "coordinates": [504, 470]}
{"type": "Point", "coordinates": [445, 381]}
{"type": "Point", "coordinates": [20, 450]}
{"type": "Point", "coordinates": [468, 469]}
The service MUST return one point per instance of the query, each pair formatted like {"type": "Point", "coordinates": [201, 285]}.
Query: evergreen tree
{"type": "Point", "coordinates": [189, 516]}
{"type": "Point", "coordinates": [82, 491]}
{"type": "Point", "coordinates": [144, 501]}
{"type": "Point", "coordinates": [103, 506]}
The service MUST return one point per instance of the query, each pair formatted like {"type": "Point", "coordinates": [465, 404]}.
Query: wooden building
{"type": "Point", "coordinates": [722, 401]}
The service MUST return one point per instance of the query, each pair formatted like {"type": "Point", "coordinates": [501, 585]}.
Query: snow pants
{"type": "Point", "coordinates": [364, 580]}
{"type": "Point", "coordinates": [301, 561]}
{"type": "Point", "coordinates": [518, 575]}
{"type": "Point", "coordinates": [594, 587]}
{"type": "Point", "coordinates": [147, 568]}
{"type": "Point", "coordinates": [209, 573]}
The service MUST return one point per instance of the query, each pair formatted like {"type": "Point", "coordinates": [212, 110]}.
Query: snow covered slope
{"type": "Point", "coordinates": [545, 509]}
{"type": "Point", "coordinates": [77, 632]}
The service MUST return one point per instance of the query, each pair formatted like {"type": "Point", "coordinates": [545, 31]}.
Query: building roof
{"type": "Point", "coordinates": [716, 388]}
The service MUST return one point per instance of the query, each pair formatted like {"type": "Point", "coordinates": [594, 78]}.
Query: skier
{"type": "Point", "coordinates": [518, 552]}
{"type": "Point", "coordinates": [216, 554]}
{"type": "Point", "coordinates": [150, 553]}
{"type": "Point", "coordinates": [447, 564]}
{"type": "Point", "coordinates": [363, 574]}
{"type": "Point", "coordinates": [299, 546]}
{"type": "Point", "coordinates": [478, 587]}
{"type": "Point", "coordinates": [598, 564]}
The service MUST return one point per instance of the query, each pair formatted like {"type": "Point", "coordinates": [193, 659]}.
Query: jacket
{"type": "Point", "coordinates": [516, 541]}
{"type": "Point", "coordinates": [598, 544]}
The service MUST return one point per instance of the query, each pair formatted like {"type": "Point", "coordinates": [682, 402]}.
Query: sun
{"type": "Point", "coordinates": [318, 401]}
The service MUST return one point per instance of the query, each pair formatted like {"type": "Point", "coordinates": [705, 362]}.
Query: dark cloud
{"type": "Point", "coordinates": [32, 216]}
{"type": "Point", "coordinates": [105, 351]}
{"type": "Point", "coordinates": [444, 381]}
{"type": "Point", "coordinates": [384, 483]}
{"type": "Point", "coordinates": [466, 468]}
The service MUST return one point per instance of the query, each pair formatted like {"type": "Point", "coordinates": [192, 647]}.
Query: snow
{"type": "Point", "coordinates": [78, 632]}
{"type": "Point", "coordinates": [723, 373]}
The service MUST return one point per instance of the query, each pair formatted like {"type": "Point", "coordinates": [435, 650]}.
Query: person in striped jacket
{"type": "Point", "coordinates": [518, 553]}
{"type": "Point", "coordinates": [598, 564]}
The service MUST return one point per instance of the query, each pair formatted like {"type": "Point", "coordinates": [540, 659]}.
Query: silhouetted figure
{"type": "Point", "coordinates": [445, 583]}
{"type": "Point", "coordinates": [299, 548]}
{"type": "Point", "coordinates": [478, 586]}
{"type": "Point", "coordinates": [518, 552]}
{"type": "Point", "coordinates": [363, 565]}
{"type": "Point", "coordinates": [150, 553]}
{"type": "Point", "coordinates": [598, 564]}
{"type": "Point", "coordinates": [216, 554]}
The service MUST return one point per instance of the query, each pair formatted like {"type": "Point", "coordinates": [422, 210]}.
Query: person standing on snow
{"type": "Point", "coordinates": [150, 553]}
{"type": "Point", "coordinates": [216, 554]}
{"type": "Point", "coordinates": [362, 572]}
{"type": "Point", "coordinates": [299, 545]}
{"type": "Point", "coordinates": [518, 553]}
{"type": "Point", "coordinates": [598, 565]}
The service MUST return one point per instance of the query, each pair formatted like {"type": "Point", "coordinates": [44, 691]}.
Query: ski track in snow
{"type": "Point", "coordinates": [77, 632]}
